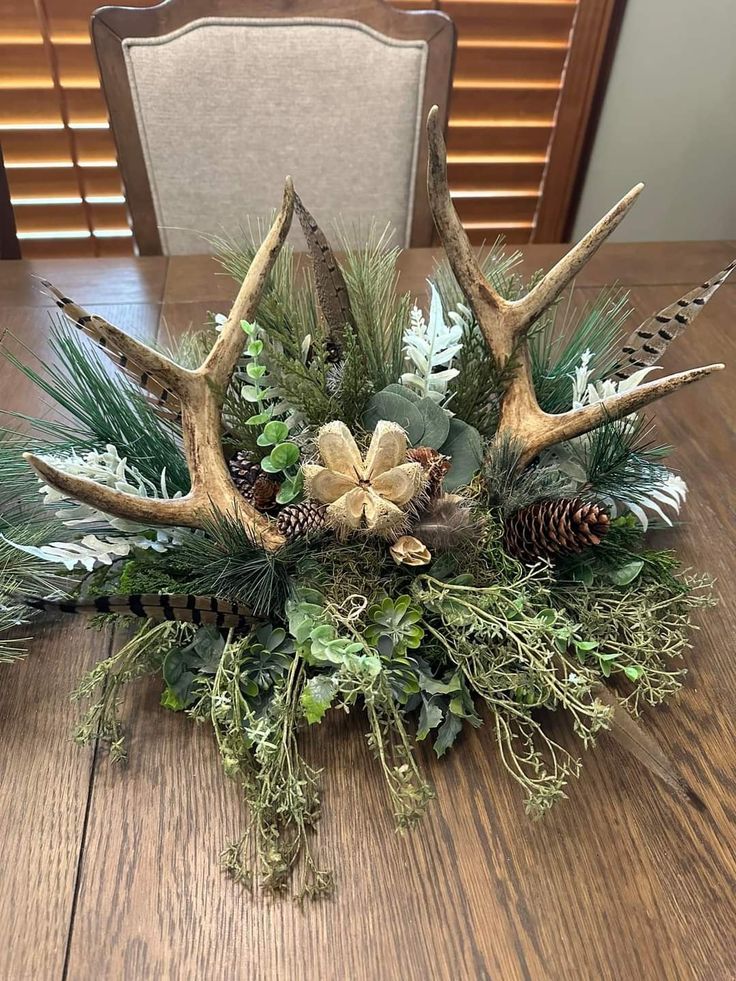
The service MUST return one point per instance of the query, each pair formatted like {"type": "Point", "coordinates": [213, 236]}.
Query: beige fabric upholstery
{"type": "Point", "coordinates": [227, 107]}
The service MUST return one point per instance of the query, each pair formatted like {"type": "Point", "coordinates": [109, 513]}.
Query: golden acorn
{"type": "Point", "coordinates": [548, 529]}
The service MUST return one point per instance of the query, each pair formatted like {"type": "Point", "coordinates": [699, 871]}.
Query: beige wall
{"type": "Point", "coordinates": [669, 119]}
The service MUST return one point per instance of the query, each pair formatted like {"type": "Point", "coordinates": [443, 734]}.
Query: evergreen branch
{"type": "Point", "coordinates": [102, 408]}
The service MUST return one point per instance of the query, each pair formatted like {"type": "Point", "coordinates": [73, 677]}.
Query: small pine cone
{"type": "Point", "coordinates": [306, 518]}
{"type": "Point", "coordinates": [244, 470]}
{"type": "Point", "coordinates": [548, 529]}
{"type": "Point", "coordinates": [434, 464]}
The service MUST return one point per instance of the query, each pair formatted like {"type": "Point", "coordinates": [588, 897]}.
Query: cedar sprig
{"type": "Point", "coordinates": [381, 312]}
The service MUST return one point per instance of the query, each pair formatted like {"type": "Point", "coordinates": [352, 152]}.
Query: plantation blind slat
{"type": "Point", "coordinates": [60, 157]}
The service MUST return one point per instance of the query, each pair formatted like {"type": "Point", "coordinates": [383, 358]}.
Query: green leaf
{"type": "Point", "coordinates": [170, 700]}
{"type": "Point", "coordinates": [583, 574]}
{"type": "Point", "coordinates": [255, 370]}
{"type": "Point", "coordinates": [249, 329]}
{"type": "Point", "coordinates": [429, 718]}
{"type": "Point", "coordinates": [263, 440]}
{"type": "Point", "coordinates": [436, 423]}
{"type": "Point", "coordinates": [627, 573]}
{"type": "Point", "coordinates": [405, 393]}
{"type": "Point", "coordinates": [395, 408]}
{"type": "Point", "coordinates": [251, 394]}
{"type": "Point", "coordinates": [588, 645]}
{"type": "Point", "coordinates": [316, 697]}
{"type": "Point", "coordinates": [268, 465]}
{"type": "Point", "coordinates": [465, 447]}
{"type": "Point", "coordinates": [290, 489]}
{"type": "Point", "coordinates": [285, 455]}
{"type": "Point", "coordinates": [254, 349]}
{"type": "Point", "coordinates": [258, 419]}
{"type": "Point", "coordinates": [276, 431]}
{"type": "Point", "coordinates": [632, 672]}
{"type": "Point", "coordinates": [447, 734]}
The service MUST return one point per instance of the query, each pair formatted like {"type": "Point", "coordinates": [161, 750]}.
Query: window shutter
{"type": "Point", "coordinates": [59, 154]}
{"type": "Point", "coordinates": [508, 108]}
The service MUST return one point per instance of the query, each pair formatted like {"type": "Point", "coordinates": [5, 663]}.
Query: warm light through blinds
{"type": "Point", "coordinates": [60, 157]}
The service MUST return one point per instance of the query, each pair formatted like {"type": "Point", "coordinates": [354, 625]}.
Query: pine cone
{"type": "Point", "coordinates": [244, 470]}
{"type": "Point", "coordinates": [434, 464]}
{"type": "Point", "coordinates": [262, 493]}
{"type": "Point", "coordinates": [306, 518]}
{"type": "Point", "coordinates": [548, 529]}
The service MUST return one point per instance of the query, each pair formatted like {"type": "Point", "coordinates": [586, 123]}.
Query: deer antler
{"type": "Point", "coordinates": [505, 323]}
{"type": "Point", "coordinates": [201, 393]}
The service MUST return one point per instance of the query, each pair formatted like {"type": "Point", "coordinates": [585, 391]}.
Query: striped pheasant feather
{"type": "Point", "coordinates": [332, 292]}
{"type": "Point", "coordinates": [157, 606]}
{"type": "Point", "coordinates": [646, 345]}
{"type": "Point", "coordinates": [164, 401]}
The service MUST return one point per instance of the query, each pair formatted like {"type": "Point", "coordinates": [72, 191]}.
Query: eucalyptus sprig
{"type": "Point", "coordinates": [284, 454]}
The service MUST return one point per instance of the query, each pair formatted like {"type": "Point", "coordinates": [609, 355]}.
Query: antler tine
{"type": "Point", "coordinates": [222, 359]}
{"type": "Point", "coordinates": [203, 391]}
{"type": "Point", "coordinates": [504, 324]}
{"type": "Point", "coordinates": [537, 300]}
{"type": "Point", "coordinates": [567, 425]}
{"type": "Point", "coordinates": [177, 511]}
{"type": "Point", "coordinates": [487, 304]}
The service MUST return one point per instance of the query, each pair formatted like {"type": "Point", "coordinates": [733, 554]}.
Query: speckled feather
{"type": "Point", "coordinates": [332, 292]}
{"type": "Point", "coordinates": [155, 606]}
{"type": "Point", "coordinates": [646, 345]}
{"type": "Point", "coordinates": [164, 401]}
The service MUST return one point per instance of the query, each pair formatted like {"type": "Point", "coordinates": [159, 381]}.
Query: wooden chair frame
{"type": "Point", "coordinates": [110, 26]}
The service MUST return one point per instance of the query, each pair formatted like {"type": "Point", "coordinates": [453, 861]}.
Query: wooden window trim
{"type": "Point", "coordinates": [111, 25]}
{"type": "Point", "coordinates": [594, 35]}
{"type": "Point", "coordinates": [9, 247]}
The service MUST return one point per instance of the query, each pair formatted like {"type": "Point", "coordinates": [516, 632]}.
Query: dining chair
{"type": "Point", "coordinates": [213, 102]}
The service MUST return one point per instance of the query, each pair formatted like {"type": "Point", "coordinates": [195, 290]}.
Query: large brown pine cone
{"type": "Point", "coordinates": [548, 529]}
{"type": "Point", "coordinates": [306, 518]}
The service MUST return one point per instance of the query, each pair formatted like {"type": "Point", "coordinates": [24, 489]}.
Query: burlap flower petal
{"type": "Point", "coordinates": [380, 514]}
{"type": "Point", "coordinates": [348, 511]}
{"type": "Point", "coordinates": [401, 483]}
{"type": "Point", "coordinates": [387, 449]}
{"type": "Point", "coordinates": [324, 485]}
{"type": "Point", "coordinates": [339, 451]}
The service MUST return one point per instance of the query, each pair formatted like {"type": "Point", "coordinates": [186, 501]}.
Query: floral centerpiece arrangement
{"type": "Point", "coordinates": [334, 499]}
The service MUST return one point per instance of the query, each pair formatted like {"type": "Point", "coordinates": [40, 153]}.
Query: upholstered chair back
{"type": "Point", "coordinates": [226, 107]}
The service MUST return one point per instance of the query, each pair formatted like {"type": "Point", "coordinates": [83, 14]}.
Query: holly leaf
{"type": "Point", "coordinates": [447, 734]}
{"type": "Point", "coordinates": [429, 718]}
{"type": "Point", "coordinates": [316, 697]}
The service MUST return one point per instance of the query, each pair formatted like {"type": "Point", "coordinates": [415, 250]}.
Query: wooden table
{"type": "Point", "coordinates": [111, 872]}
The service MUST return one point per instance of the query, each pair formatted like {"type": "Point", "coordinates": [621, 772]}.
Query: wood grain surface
{"type": "Point", "coordinates": [110, 872]}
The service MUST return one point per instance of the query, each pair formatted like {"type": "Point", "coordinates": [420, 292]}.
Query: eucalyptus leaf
{"type": "Point", "coordinates": [624, 574]}
{"type": "Point", "coordinates": [284, 455]}
{"type": "Point", "coordinates": [395, 408]}
{"type": "Point", "coordinates": [436, 423]}
{"type": "Point", "coordinates": [465, 448]}
{"type": "Point", "coordinates": [406, 393]}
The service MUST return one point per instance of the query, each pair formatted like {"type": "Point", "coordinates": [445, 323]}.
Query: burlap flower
{"type": "Point", "coordinates": [364, 495]}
